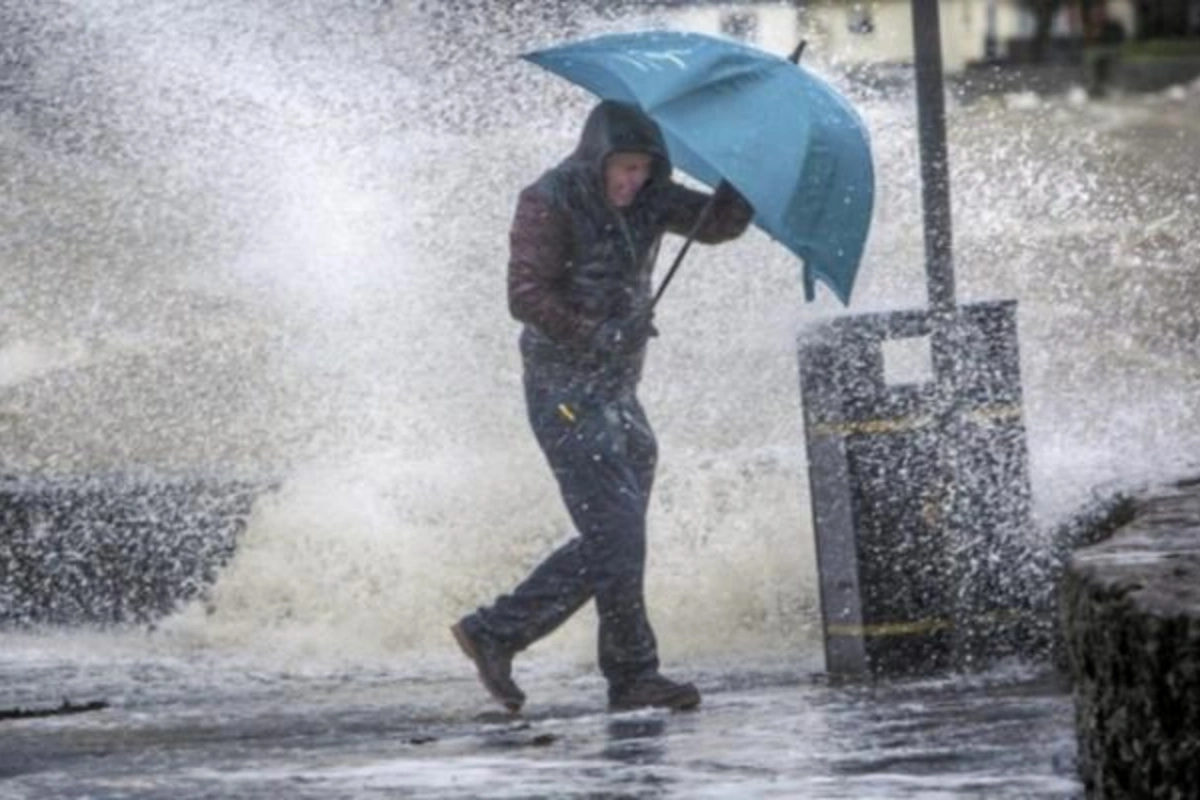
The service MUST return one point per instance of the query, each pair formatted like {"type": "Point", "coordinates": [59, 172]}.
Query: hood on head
{"type": "Point", "coordinates": [614, 127]}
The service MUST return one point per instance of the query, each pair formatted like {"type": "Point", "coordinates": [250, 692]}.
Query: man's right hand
{"type": "Point", "coordinates": [626, 334]}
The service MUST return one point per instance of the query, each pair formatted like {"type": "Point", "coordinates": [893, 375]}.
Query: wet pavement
{"type": "Point", "coordinates": [183, 727]}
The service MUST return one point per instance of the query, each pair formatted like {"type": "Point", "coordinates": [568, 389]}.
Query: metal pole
{"type": "Point", "coordinates": [935, 179]}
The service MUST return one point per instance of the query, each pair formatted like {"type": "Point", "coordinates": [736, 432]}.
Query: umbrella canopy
{"type": "Point", "coordinates": [785, 139]}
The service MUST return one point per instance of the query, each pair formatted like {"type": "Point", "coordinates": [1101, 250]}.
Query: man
{"type": "Point", "coordinates": [583, 245]}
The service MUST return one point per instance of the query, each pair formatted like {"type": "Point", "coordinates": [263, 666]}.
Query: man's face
{"type": "Point", "coordinates": [624, 176]}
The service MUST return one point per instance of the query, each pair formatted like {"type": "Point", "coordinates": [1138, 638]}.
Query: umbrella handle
{"type": "Point", "coordinates": [705, 213]}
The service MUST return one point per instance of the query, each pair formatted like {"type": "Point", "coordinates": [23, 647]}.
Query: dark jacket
{"type": "Point", "coordinates": [577, 261]}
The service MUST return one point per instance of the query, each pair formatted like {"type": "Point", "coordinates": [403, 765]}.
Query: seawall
{"type": "Point", "coordinates": [112, 549]}
{"type": "Point", "coordinates": [1131, 620]}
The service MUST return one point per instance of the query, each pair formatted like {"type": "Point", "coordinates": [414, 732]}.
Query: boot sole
{"type": "Point", "coordinates": [684, 701]}
{"type": "Point", "coordinates": [468, 648]}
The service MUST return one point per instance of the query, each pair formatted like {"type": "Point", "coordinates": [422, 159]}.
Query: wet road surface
{"type": "Point", "coordinates": [188, 728]}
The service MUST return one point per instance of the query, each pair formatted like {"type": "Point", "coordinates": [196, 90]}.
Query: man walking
{"type": "Point", "coordinates": [583, 245]}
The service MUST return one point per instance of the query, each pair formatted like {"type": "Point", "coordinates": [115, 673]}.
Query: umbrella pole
{"type": "Point", "coordinates": [705, 213]}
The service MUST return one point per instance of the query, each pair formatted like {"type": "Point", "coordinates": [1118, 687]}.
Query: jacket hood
{"type": "Point", "coordinates": [614, 127]}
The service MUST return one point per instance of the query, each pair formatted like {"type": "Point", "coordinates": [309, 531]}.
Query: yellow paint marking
{"type": "Point", "coordinates": [871, 427]}
{"type": "Point", "coordinates": [891, 628]}
{"type": "Point", "coordinates": [918, 627]}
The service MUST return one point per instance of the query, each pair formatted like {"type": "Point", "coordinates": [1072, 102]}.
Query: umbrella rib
{"type": "Point", "coordinates": [739, 77]}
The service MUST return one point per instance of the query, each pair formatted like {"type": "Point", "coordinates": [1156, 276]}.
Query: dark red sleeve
{"type": "Point", "coordinates": [539, 248]}
{"type": "Point", "coordinates": [729, 218]}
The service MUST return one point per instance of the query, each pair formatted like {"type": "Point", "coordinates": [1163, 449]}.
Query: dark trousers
{"type": "Point", "coordinates": [603, 454]}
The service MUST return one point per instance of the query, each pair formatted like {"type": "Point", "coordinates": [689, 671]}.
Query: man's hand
{"type": "Point", "coordinates": [736, 207]}
{"type": "Point", "coordinates": [626, 334]}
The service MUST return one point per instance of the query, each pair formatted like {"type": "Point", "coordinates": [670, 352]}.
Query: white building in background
{"type": "Point", "coordinates": [879, 31]}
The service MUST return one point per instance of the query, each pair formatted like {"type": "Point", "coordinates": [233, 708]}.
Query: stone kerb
{"type": "Point", "coordinates": [1131, 619]}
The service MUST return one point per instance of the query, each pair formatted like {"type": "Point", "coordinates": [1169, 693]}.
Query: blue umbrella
{"type": "Point", "coordinates": [785, 139]}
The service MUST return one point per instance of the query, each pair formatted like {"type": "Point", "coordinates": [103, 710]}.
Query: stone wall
{"type": "Point", "coordinates": [1131, 620]}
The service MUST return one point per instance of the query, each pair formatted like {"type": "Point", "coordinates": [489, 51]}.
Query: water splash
{"type": "Point", "coordinates": [274, 244]}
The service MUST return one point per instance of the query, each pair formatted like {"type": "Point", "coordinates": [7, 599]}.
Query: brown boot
{"type": "Point", "coordinates": [493, 662]}
{"type": "Point", "coordinates": [653, 691]}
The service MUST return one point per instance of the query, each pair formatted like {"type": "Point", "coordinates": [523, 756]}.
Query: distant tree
{"type": "Point", "coordinates": [1159, 18]}
{"type": "Point", "coordinates": [1043, 17]}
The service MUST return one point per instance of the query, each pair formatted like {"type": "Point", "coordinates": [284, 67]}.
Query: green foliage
{"type": "Point", "coordinates": [1154, 49]}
